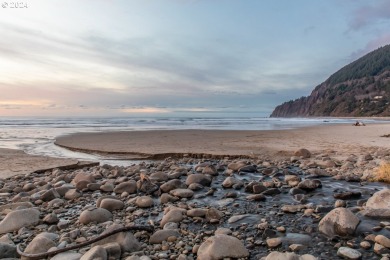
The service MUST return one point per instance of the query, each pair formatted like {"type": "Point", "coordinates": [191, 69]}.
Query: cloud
{"type": "Point", "coordinates": [372, 45]}
{"type": "Point", "coordinates": [370, 14]}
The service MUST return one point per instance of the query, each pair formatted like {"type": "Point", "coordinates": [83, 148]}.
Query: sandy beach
{"type": "Point", "coordinates": [241, 191]}
{"type": "Point", "coordinates": [343, 139]}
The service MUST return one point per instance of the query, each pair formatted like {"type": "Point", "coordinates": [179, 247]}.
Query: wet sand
{"type": "Point", "coordinates": [15, 162]}
{"type": "Point", "coordinates": [344, 139]}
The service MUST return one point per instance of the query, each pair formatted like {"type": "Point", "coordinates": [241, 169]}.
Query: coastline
{"type": "Point", "coordinates": [157, 144]}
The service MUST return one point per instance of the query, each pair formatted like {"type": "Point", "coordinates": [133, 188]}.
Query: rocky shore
{"type": "Point", "coordinates": [309, 206]}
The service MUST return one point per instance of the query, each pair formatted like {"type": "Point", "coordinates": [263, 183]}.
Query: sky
{"type": "Point", "coordinates": [177, 57]}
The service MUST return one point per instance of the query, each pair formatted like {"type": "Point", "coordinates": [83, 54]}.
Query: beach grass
{"type": "Point", "coordinates": [382, 173]}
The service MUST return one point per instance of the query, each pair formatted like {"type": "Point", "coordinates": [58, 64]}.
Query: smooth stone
{"type": "Point", "coordinates": [67, 256]}
{"type": "Point", "coordinates": [340, 221]}
{"type": "Point", "coordinates": [274, 242]}
{"type": "Point", "coordinates": [288, 256]}
{"type": "Point", "coordinates": [293, 208]}
{"type": "Point", "coordinates": [171, 185]}
{"type": "Point", "coordinates": [202, 179]}
{"type": "Point", "coordinates": [222, 246]}
{"type": "Point", "coordinates": [129, 187]}
{"type": "Point", "coordinates": [111, 204]}
{"type": "Point", "coordinates": [173, 215]}
{"type": "Point", "coordinates": [40, 244]}
{"type": "Point", "coordinates": [95, 253]}
{"type": "Point", "coordinates": [378, 206]}
{"type": "Point", "coordinates": [144, 202]}
{"type": "Point", "coordinates": [72, 194]}
{"type": "Point", "coordinates": [196, 212]}
{"type": "Point", "coordinates": [309, 184]}
{"type": "Point", "coordinates": [230, 181]}
{"type": "Point", "coordinates": [166, 198]}
{"type": "Point", "coordinates": [236, 218]}
{"type": "Point", "coordinates": [382, 240]}
{"type": "Point", "coordinates": [213, 213]}
{"type": "Point", "coordinates": [98, 215]}
{"type": "Point", "coordinates": [126, 240]}
{"type": "Point", "coordinates": [182, 193]}
{"type": "Point", "coordinates": [18, 219]}
{"type": "Point", "coordinates": [223, 231]}
{"type": "Point", "coordinates": [348, 253]}
{"type": "Point", "coordinates": [162, 235]}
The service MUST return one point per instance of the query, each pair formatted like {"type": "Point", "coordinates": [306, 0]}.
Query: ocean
{"type": "Point", "coordinates": [36, 136]}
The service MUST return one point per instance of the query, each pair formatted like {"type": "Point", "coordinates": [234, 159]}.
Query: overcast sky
{"type": "Point", "coordinates": [177, 57]}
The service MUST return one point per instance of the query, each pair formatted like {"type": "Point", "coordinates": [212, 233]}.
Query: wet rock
{"type": "Point", "coordinates": [182, 193]}
{"type": "Point", "coordinates": [274, 242]}
{"type": "Point", "coordinates": [292, 180]}
{"type": "Point", "coordinates": [348, 253]}
{"type": "Point", "coordinates": [159, 176]}
{"type": "Point", "coordinates": [210, 170]}
{"type": "Point", "coordinates": [162, 235]}
{"type": "Point", "coordinates": [222, 246]}
{"type": "Point", "coordinates": [309, 184]}
{"type": "Point", "coordinates": [171, 185]}
{"type": "Point", "coordinates": [196, 212]}
{"type": "Point", "coordinates": [213, 213]}
{"type": "Point", "coordinates": [129, 187]}
{"type": "Point", "coordinates": [382, 240]}
{"type": "Point", "coordinates": [18, 219]}
{"type": "Point", "coordinates": [236, 218]}
{"type": "Point", "coordinates": [166, 198]}
{"type": "Point", "coordinates": [235, 166]}
{"type": "Point", "coordinates": [8, 251]}
{"type": "Point", "coordinates": [248, 168]}
{"type": "Point", "coordinates": [293, 208]}
{"type": "Point", "coordinates": [271, 191]}
{"type": "Point", "coordinates": [340, 221]}
{"type": "Point", "coordinates": [144, 202]}
{"type": "Point", "coordinates": [111, 204]}
{"type": "Point", "coordinates": [378, 206]}
{"type": "Point", "coordinates": [202, 179]}
{"type": "Point", "coordinates": [381, 250]}
{"type": "Point", "coordinates": [347, 195]}
{"type": "Point", "coordinates": [98, 215]}
{"type": "Point", "coordinates": [258, 188]}
{"type": "Point", "coordinates": [96, 252]}
{"type": "Point", "coordinates": [256, 197]}
{"type": "Point", "coordinates": [230, 182]}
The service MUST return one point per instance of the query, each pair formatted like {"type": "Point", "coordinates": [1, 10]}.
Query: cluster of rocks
{"type": "Point", "coordinates": [306, 207]}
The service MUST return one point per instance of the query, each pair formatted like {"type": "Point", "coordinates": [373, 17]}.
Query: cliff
{"type": "Point", "coordinates": [361, 88]}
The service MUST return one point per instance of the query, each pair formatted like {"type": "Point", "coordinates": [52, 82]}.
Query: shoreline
{"type": "Point", "coordinates": [343, 139]}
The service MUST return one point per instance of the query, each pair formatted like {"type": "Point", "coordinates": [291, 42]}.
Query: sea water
{"type": "Point", "coordinates": [36, 136]}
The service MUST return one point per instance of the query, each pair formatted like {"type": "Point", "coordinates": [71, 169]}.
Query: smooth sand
{"type": "Point", "coordinates": [15, 162]}
{"type": "Point", "coordinates": [345, 139]}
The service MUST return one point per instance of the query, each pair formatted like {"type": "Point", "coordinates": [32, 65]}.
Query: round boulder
{"type": "Point", "coordinates": [222, 246]}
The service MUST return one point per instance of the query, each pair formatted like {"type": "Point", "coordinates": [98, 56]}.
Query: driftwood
{"type": "Point", "coordinates": [98, 238]}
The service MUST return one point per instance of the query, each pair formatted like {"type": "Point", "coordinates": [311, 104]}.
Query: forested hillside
{"type": "Point", "coordinates": [361, 88]}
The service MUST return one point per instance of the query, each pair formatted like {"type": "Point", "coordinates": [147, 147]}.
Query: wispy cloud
{"type": "Point", "coordinates": [371, 13]}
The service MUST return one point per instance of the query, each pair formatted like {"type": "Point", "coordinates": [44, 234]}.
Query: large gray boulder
{"type": "Point", "coordinates": [340, 221]}
{"type": "Point", "coordinates": [222, 246]}
{"type": "Point", "coordinates": [378, 206]}
{"type": "Point", "coordinates": [19, 218]}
